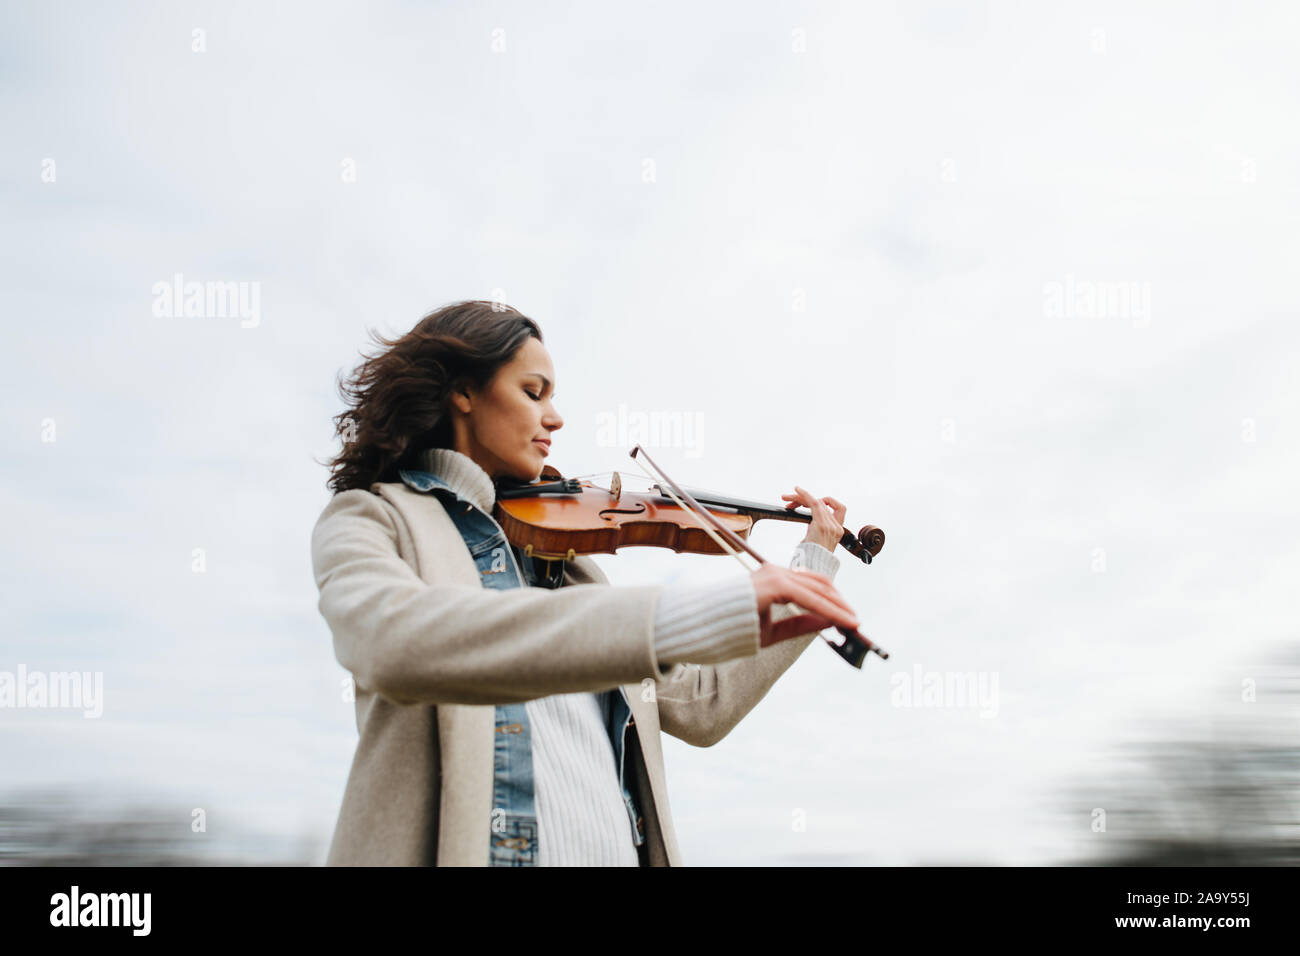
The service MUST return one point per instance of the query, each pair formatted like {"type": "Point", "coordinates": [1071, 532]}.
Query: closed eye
{"type": "Point", "coordinates": [536, 398]}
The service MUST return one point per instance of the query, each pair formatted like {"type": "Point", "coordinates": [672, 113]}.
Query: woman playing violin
{"type": "Point", "coordinates": [503, 721]}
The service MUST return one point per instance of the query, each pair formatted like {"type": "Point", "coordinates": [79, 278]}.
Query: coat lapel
{"type": "Point", "coordinates": [465, 745]}
{"type": "Point", "coordinates": [645, 718]}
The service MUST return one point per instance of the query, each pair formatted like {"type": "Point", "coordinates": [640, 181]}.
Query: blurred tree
{"type": "Point", "coordinates": [1227, 798]}
{"type": "Point", "coordinates": [63, 828]}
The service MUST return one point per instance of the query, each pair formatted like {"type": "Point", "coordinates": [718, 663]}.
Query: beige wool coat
{"type": "Point", "coordinates": [431, 652]}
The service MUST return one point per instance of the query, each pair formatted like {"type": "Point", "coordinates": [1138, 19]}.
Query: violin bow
{"type": "Point", "coordinates": [854, 647]}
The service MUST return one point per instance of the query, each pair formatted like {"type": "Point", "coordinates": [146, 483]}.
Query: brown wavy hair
{"type": "Point", "coordinates": [398, 399]}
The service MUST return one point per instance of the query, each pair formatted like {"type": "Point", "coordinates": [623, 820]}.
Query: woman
{"type": "Point", "coordinates": [507, 718]}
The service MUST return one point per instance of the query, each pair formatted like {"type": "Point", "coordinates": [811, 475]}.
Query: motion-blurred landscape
{"type": "Point", "coordinates": [1228, 796]}
{"type": "Point", "coordinates": [64, 828]}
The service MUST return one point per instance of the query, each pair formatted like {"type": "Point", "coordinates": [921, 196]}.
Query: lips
{"type": "Point", "coordinates": [545, 445]}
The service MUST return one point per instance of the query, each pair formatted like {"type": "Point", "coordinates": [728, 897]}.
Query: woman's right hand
{"type": "Point", "coordinates": [822, 605]}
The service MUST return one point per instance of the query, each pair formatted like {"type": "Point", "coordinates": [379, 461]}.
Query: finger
{"type": "Point", "coordinates": [814, 502]}
{"type": "Point", "coordinates": [834, 615]}
{"type": "Point", "coordinates": [815, 575]}
{"type": "Point", "coordinates": [829, 592]}
{"type": "Point", "coordinates": [828, 602]}
{"type": "Point", "coordinates": [789, 627]}
{"type": "Point", "coordinates": [806, 577]}
{"type": "Point", "coordinates": [804, 499]}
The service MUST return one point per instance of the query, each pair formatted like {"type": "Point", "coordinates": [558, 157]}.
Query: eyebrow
{"type": "Point", "coordinates": [546, 380]}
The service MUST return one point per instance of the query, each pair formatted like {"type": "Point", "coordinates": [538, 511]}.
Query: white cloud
{"type": "Point", "coordinates": [1164, 160]}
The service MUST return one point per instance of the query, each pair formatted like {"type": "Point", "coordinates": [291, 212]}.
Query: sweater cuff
{"type": "Point", "coordinates": [707, 624]}
{"type": "Point", "coordinates": [813, 557]}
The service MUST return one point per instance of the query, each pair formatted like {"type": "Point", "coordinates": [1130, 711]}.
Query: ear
{"type": "Point", "coordinates": [460, 397]}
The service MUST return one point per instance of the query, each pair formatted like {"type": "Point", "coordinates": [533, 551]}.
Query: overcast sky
{"type": "Point", "coordinates": [1014, 281]}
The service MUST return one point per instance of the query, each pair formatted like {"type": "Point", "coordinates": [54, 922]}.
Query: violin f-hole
{"type": "Point", "coordinates": [640, 509]}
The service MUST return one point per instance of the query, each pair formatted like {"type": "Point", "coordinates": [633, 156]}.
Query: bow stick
{"type": "Point", "coordinates": [855, 646]}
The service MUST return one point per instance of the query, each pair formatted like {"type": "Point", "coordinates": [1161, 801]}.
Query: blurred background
{"type": "Point", "coordinates": [1011, 280]}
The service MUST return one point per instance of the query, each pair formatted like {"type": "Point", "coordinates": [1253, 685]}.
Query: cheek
{"type": "Point", "coordinates": [517, 420]}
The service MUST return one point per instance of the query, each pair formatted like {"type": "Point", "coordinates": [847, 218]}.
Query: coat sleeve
{"type": "Point", "coordinates": [702, 703]}
{"type": "Point", "coordinates": [415, 642]}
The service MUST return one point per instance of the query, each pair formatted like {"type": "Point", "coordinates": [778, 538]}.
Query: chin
{"type": "Point", "coordinates": [530, 472]}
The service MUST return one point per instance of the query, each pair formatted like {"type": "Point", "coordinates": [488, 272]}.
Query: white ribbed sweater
{"type": "Point", "coordinates": [581, 817]}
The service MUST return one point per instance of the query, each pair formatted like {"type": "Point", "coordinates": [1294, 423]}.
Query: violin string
{"type": "Point", "coordinates": [726, 546]}
{"type": "Point", "coordinates": [661, 483]}
{"type": "Point", "coordinates": [597, 474]}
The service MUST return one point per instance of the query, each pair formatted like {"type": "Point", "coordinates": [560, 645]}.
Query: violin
{"type": "Point", "coordinates": [556, 518]}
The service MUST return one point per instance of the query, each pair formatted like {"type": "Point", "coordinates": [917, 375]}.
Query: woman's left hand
{"type": "Point", "coordinates": [827, 525]}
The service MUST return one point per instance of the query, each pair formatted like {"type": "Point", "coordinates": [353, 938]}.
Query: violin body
{"type": "Point", "coordinates": [556, 518]}
{"type": "Point", "coordinates": [593, 520]}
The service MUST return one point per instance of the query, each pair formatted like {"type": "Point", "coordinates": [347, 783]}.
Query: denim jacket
{"type": "Point", "coordinates": [513, 832]}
